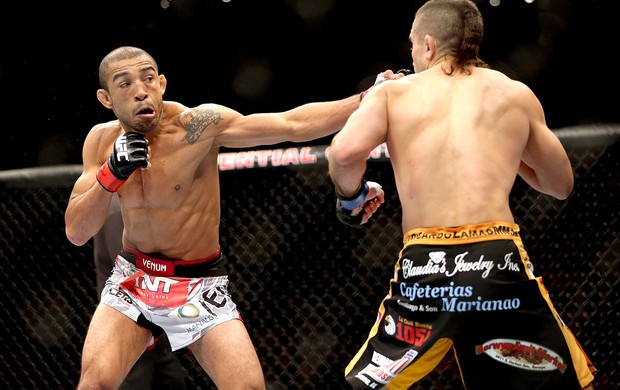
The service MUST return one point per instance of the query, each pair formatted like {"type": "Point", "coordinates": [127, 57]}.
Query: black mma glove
{"type": "Point", "coordinates": [350, 210]}
{"type": "Point", "coordinates": [130, 153]}
{"type": "Point", "coordinates": [381, 79]}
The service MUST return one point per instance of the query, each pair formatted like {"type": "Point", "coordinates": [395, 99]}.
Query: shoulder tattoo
{"type": "Point", "coordinates": [198, 120]}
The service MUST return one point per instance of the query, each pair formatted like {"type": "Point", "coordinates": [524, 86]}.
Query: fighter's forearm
{"type": "Point", "coordinates": [346, 178]}
{"type": "Point", "coordinates": [86, 213]}
{"type": "Point", "coordinates": [320, 119]}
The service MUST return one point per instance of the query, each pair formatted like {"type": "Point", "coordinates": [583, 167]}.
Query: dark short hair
{"type": "Point", "coordinates": [119, 54]}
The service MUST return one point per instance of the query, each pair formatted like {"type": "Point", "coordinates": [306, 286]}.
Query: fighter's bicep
{"type": "Point", "coordinates": [368, 124]}
{"type": "Point", "coordinates": [252, 130]}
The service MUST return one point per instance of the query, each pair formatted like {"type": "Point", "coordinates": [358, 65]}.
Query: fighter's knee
{"type": "Point", "coordinates": [96, 382]}
{"type": "Point", "coordinates": [250, 380]}
{"type": "Point", "coordinates": [245, 384]}
{"type": "Point", "coordinates": [255, 386]}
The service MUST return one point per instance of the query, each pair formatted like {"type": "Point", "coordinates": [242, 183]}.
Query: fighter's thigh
{"type": "Point", "coordinates": [227, 354]}
{"type": "Point", "coordinates": [113, 343]}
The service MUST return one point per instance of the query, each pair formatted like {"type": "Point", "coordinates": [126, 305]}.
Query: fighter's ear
{"type": "Point", "coordinates": [430, 47]}
{"type": "Point", "coordinates": [104, 97]}
{"type": "Point", "coordinates": [163, 82]}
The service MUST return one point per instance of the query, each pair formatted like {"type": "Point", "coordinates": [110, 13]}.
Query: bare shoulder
{"type": "Point", "coordinates": [105, 131]}
{"type": "Point", "coordinates": [503, 88]}
{"type": "Point", "coordinates": [207, 120]}
{"type": "Point", "coordinates": [106, 126]}
{"type": "Point", "coordinates": [504, 80]}
{"type": "Point", "coordinates": [99, 141]}
{"type": "Point", "coordinates": [211, 108]}
{"type": "Point", "coordinates": [206, 114]}
{"type": "Point", "coordinates": [172, 109]}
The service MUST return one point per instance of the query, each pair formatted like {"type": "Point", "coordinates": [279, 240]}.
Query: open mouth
{"type": "Point", "coordinates": [146, 111]}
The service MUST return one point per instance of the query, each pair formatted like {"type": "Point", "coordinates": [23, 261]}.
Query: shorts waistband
{"type": "Point", "coordinates": [208, 266]}
{"type": "Point", "coordinates": [466, 233]}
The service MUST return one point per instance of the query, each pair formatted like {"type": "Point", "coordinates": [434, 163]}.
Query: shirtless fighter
{"type": "Point", "coordinates": [161, 159]}
{"type": "Point", "coordinates": [458, 134]}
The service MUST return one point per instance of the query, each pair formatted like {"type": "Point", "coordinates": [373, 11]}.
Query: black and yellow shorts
{"type": "Point", "coordinates": [470, 289]}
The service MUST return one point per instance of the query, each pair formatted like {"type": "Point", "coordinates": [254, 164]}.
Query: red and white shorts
{"type": "Point", "coordinates": [185, 307]}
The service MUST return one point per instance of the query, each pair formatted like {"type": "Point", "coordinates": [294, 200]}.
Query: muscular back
{"type": "Point", "coordinates": [456, 143]}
